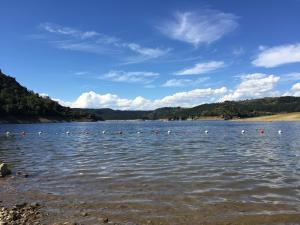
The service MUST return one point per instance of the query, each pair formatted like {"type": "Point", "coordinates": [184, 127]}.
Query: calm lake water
{"type": "Point", "coordinates": [178, 178]}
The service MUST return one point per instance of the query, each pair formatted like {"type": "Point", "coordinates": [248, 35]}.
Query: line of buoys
{"type": "Point", "coordinates": [23, 133]}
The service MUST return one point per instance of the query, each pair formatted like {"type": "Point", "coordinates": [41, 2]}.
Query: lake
{"type": "Point", "coordinates": [149, 176]}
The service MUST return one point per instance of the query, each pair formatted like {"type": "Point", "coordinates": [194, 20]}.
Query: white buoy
{"type": "Point", "coordinates": [138, 132]}
{"type": "Point", "coordinates": [279, 132]}
{"type": "Point", "coordinates": [206, 131]}
{"type": "Point", "coordinates": [243, 131]}
{"type": "Point", "coordinates": [40, 132]}
{"type": "Point", "coordinates": [103, 132]}
{"type": "Point", "coordinates": [7, 133]}
{"type": "Point", "coordinates": [68, 132]}
{"type": "Point", "coordinates": [169, 132]}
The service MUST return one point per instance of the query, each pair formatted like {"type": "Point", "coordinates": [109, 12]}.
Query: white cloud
{"type": "Point", "coordinates": [254, 85]}
{"type": "Point", "coordinates": [203, 27]}
{"type": "Point", "coordinates": [184, 82]}
{"type": "Point", "coordinates": [185, 99]}
{"type": "Point", "coordinates": [295, 90]}
{"type": "Point", "coordinates": [130, 77]}
{"type": "Point", "coordinates": [201, 68]}
{"type": "Point", "coordinates": [279, 55]}
{"type": "Point", "coordinates": [296, 87]}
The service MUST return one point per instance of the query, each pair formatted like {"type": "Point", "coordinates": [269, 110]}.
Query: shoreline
{"type": "Point", "coordinates": [280, 117]}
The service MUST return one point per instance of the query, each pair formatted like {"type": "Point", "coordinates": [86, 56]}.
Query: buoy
{"type": "Point", "coordinates": [120, 132]}
{"type": "Point", "coordinates": [68, 132]}
{"type": "Point", "coordinates": [138, 132]}
{"type": "Point", "coordinates": [279, 132]}
{"type": "Point", "coordinates": [206, 131]}
{"type": "Point", "coordinates": [261, 131]}
{"type": "Point", "coordinates": [243, 131]}
{"type": "Point", "coordinates": [7, 133]}
{"type": "Point", "coordinates": [169, 132]}
{"type": "Point", "coordinates": [40, 132]}
{"type": "Point", "coordinates": [156, 132]}
{"type": "Point", "coordinates": [103, 132]}
{"type": "Point", "coordinates": [23, 133]}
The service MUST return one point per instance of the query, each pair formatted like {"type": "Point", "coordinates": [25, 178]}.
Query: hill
{"type": "Point", "coordinates": [18, 104]}
{"type": "Point", "coordinates": [224, 110]}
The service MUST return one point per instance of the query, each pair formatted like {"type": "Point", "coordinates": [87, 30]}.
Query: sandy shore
{"type": "Point", "coordinates": [279, 117]}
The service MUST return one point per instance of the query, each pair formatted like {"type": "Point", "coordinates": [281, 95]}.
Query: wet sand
{"type": "Point", "coordinates": [291, 117]}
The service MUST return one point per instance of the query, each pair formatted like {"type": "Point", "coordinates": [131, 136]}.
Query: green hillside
{"type": "Point", "coordinates": [17, 103]}
{"type": "Point", "coordinates": [225, 110]}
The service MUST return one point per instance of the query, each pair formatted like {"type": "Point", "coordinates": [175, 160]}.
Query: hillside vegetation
{"type": "Point", "coordinates": [225, 110]}
{"type": "Point", "coordinates": [17, 103]}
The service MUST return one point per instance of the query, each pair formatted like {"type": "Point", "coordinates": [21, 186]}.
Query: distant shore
{"type": "Point", "coordinates": [288, 117]}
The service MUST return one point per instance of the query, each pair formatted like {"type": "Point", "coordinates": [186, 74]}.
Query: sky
{"type": "Point", "coordinates": [149, 54]}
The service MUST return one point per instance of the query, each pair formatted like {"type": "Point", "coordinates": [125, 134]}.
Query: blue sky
{"type": "Point", "coordinates": [150, 54]}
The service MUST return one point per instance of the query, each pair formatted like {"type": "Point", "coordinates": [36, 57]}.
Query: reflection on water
{"type": "Point", "coordinates": [187, 168]}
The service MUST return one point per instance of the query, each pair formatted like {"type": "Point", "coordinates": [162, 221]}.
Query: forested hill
{"type": "Point", "coordinates": [18, 104]}
{"type": "Point", "coordinates": [224, 110]}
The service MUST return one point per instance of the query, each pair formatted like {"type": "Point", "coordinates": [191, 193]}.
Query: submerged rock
{"type": "Point", "coordinates": [4, 171]}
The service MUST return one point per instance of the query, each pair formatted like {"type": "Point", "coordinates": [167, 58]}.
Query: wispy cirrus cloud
{"type": "Point", "coordinates": [148, 52]}
{"type": "Point", "coordinates": [57, 29]}
{"type": "Point", "coordinates": [184, 82]}
{"type": "Point", "coordinates": [94, 42]}
{"type": "Point", "coordinates": [291, 76]}
{"type": "Point", "coordinates": [277, 56]}
{"type": "Point", "coordinates": [199, 27]}
{"type": "Point", "coordinates": [142, 77]}
{"type": "Point", "coordinates": [201, 68]}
